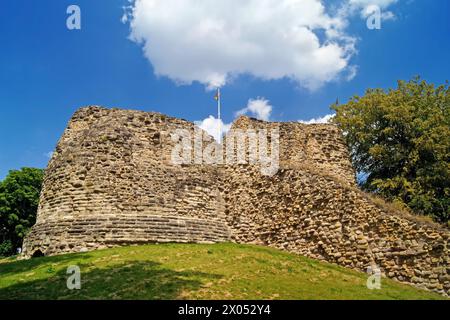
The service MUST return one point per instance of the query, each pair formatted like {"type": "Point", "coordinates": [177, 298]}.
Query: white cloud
{"type": "Point", "coordinates": [388, 15]}
{"type": "Point", "coordinates": [259, 108]}
{"type": "Point", "coordinates": [368, 7]}
{"type": "Point", "coordinates": [49, 154]}
{"type": "Point", "coordinates": [213, 41]}
{"type": "Point", "coordinates": [365, 3]}
{"type": "Point", "coordinates": [320, 120]}
{"type": "Point", "coordinates": [211, 125]}
{"type": "Point", "coordinates": [351, 72]}
{"type": "Point", "coordinates": [124, 18]}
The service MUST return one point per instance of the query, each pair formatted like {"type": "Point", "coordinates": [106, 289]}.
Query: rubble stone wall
{"type": "Point", "coordinates": [111, 182]}
{"type": "Point", "coordinates": [317, 216]}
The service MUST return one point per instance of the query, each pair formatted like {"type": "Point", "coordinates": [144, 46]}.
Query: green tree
{"type": "Point", "coordinates": [400, 139]}
{"type": "Point", "coordinates": [19, 198]}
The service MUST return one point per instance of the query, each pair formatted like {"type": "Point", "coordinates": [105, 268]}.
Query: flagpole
{"type": "Point", "coordinates": [219, 115]}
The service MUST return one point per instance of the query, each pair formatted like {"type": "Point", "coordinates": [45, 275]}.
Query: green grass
{"type": "Point", "coordinates": [192, 271]}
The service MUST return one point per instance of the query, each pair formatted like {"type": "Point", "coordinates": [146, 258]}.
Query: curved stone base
{"type": "Point", "coordinates": [79, 235]}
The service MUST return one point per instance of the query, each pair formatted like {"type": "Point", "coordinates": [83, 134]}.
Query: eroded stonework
{"type": "Point", "coordinates": [112, 181]}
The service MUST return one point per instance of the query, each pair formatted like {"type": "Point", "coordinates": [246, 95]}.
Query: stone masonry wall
{"type": "Point", "coordinates": [319, 146]}
{"type": "Point", "coordinates": [313, 207]}
{"type": "Point", "coordinates": [316, 216]}
{"type": "Point", "coordinates": [111, 182]}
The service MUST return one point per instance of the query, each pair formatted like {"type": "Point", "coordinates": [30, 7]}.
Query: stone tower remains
{"type": "Point", "coordinates": [112, 181]}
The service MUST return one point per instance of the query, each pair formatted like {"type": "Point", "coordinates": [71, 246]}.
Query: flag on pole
{"type": "Point", "coordinates": [217, 96]}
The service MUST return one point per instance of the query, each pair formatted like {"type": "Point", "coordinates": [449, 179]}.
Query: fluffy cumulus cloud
{"type": "Point", "coordinates": [213, 41]}
{"type": "Point", "coordinates": [212, 126]}
{"type": "Point", "coordinates": [319, 120]}
{"type": "Point", "coordinates": [259, 108]}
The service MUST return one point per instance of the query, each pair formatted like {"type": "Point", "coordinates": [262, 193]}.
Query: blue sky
{"type": "Point", "coordinates": [48, 71]}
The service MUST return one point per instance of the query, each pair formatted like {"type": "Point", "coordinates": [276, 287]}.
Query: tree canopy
{"type": "Point", "coordinates": [19, 198]}
{"type": "Point", "coordinates": [400, 139]}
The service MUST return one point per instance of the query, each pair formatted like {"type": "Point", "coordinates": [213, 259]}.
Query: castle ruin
{"type": "Point", "coordinates": [112, 182]}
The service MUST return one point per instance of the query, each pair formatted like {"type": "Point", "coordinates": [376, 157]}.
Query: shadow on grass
{"type": "Point", "coordinates": [18, 266]}
{"type": "Point", "coordinates": [128, 280]}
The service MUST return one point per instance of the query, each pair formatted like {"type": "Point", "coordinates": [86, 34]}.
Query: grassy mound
{"type": "Point", "coordinates": [192, 271]}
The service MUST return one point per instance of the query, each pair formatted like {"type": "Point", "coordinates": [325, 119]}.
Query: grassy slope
{"type": "Point", "coordinates": [174, 271]}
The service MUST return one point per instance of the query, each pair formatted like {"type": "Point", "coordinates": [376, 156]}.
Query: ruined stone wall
{"type": "Point", "coordinates": [319, 146]}
{"type": "Point", "coordinates": [111, 181]}
{"type": "Point", "coordinates": [313, 207]}
{"type": "Point", "coordinates": [317, 216]}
